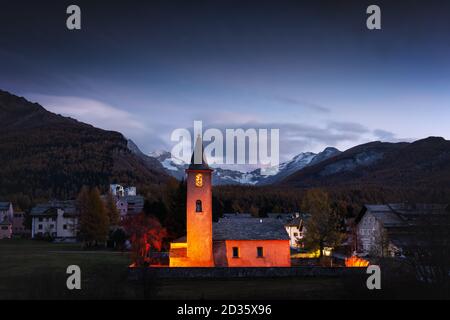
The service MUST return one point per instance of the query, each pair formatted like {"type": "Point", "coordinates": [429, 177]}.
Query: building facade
{"type": "Point", "coordinates": [55, 219]}
{"type": "Point", "coordinates": [18, 225]}
{"type": "Point", "coordinates": [5, 229]}
{"type": "Point", "coordinates": [6, 219]}
{"type": "Point", "coordinates": [295, 226]}
{"type": "Point", "coordinates": [390, 229]}
{"type": "Point", "coordinates": [6, 211]}
{"type": "Point", "coordinates": [128, 202]}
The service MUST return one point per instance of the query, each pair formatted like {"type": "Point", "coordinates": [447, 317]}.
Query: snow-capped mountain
{"type": "Point", "coordinates": [297, 163]}
{"type": "Point", "coordinates": [176, 168]}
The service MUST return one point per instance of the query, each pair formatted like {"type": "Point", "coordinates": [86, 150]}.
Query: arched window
{"type": "Point", "coordinates": [198, 206]}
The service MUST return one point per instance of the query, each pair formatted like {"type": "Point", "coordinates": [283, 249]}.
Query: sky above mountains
{"type": "Point", "coordinates": [309, 68]}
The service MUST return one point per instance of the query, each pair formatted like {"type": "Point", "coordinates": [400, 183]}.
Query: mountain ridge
{"type": "Point", "coordinates": [47, 155]}
{"type": "Point", "coordinates": [425, 162]}
{"type": "Point", "coordinates": [222, 176]}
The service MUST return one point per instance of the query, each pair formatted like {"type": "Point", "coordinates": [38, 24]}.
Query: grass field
{"type": "Point", "coordinates": [37, 270]}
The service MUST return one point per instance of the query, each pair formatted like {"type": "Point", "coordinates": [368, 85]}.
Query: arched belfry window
{"type": "Point", "coordinates": [198, 206]}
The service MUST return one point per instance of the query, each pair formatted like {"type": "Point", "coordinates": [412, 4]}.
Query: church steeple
{"type": "Point", "coordinates": [199, 209]}
{"type": "Point", "coordinates": [198, 159]}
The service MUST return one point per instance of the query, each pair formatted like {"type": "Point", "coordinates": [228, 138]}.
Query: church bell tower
{"type": "Point", "coordinates": [199, 209]}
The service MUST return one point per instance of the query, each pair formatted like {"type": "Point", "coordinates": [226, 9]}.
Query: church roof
{"type": "Point", "coordinates": [229, 228]}
{"type": "Point", "coordinates": [198, 160]}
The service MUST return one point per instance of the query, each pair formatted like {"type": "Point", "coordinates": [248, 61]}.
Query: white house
{"type": "Point", "coordinates": [121, 191]}
{"type": "Point", "coordinates": [294, 224]}
{"type": "Point", "coordinates": [6, 211]}
{"type": "Point", "coordinates": [56, 219]}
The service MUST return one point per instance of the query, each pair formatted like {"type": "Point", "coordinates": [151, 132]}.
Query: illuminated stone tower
{"type": "Point", "coordinates": [199, 210]}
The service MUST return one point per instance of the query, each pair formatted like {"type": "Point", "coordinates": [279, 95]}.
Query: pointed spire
{"type": "Point", "coordinates": [198, 160]}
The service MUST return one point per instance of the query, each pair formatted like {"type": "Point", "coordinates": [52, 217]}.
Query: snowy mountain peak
{"type": "Point", "coordinates": [221, 176]}
{"type": "Point", "coordinates": [158, 153]}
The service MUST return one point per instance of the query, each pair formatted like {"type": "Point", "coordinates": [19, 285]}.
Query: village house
{"type": "Point", "coordinates": [59, 219]}
{"type": "Point", "coordinates": [233, 241]}
{"type": "Point", "coordinates": [128, 202]}
{"type": "Point", "coordinates": [5, 229]}
{"type": "Point", "coordinates": [6, 211]}
{"type": "Point", "coordinates": [6, 217]}
{"type": "Point", "coordinates": [18, 226]}
{"type": "Point", "coordinates": [295, 226]}
{"type": "Point", "coordinates": [55, 219]}
{"type": "Point", "coordinates": [12, 222]}
{"type": "Point", "coordinates": [390, 229]}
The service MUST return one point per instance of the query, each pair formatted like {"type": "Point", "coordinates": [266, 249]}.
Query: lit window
{"type": "Point", "coordinates": [235, 252]}
{"type": "Point", "coordinates": [260, 252]}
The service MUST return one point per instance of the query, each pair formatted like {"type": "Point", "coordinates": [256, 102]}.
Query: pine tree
{"type": "Point", "coordinates": [94, 222]}
{"type": "Point", "coordinates": [322, 228]}
{"type": "Point", "coordinates": [101, 216]}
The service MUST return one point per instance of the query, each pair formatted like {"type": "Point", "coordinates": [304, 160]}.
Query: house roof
{"type": "Point", "coordinates": [49, 208]}
{"type": "Point", "coordinates": [402, 214]}
{"type": "Point", "coordinates": [5, 222]}
{"type": "Point", "coordinates": [4, 206]}
{"type": "Point", "coordinates": [290, 219]}
{"type": "Point", "coordinates": [237, 215]}
{"type": "Point", "coordinates": [249, 229]}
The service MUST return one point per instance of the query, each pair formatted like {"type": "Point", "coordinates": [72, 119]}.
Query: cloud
{"type": "Point", "coordinates": [348, 127]}
{"type": "Point", "coordinates": [297, 137]}
{"type": "Point", "coordinates": [388, 136]}
{"type": "Point", "coordinates": [91, 111]}
{"type": "Point", "coordinates": [302, 103]}
{"type": "Point", "coordinates": [384, 135]}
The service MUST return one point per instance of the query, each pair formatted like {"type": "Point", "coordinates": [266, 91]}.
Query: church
{"type": "Point", "coordinates": [236, 240]}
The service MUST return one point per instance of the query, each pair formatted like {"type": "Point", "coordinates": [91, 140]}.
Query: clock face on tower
{"type": "Point", "coordinates": [199, 180]}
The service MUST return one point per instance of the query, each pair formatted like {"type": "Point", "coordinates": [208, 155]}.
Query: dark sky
{"type": "Point", "coordinates": [310, 68]}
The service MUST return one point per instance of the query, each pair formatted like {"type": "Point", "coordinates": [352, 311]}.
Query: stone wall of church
{"type": "Point", "coordinates": [275, 253]}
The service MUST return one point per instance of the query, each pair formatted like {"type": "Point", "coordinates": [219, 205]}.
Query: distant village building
{"type": "Point", "coordinates": [390, 229]}
{"type": "Point", "coordinates": [127, 200]}
{"type": "Point", "coordinates": [295, 226]}
{"type": "Point", "coordinates": [56, 219]}
{"type": "Point", "coordinates": [121, 191]}
{"type": "Point", "coordinates": [233, 241]}
{"type": "Point", "coordinates": [5, 229]}
{"type": "Point", "coordinates": [18, 225]}
{"type": "Point", "coordinates": [6, 211]}
{"type": "Point", "coordinates": [60, 219]}
{"type": "Point", "coordinates": [6, 217]}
